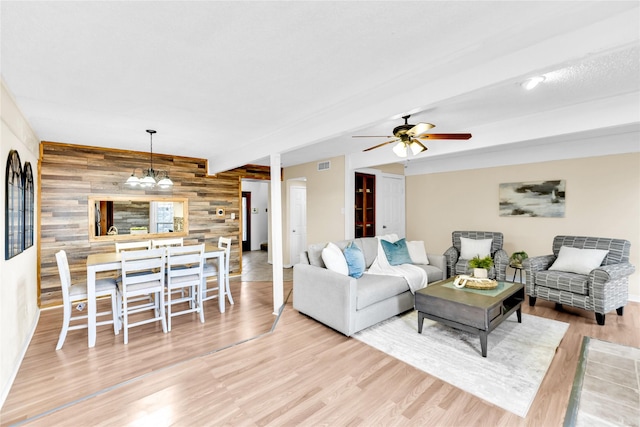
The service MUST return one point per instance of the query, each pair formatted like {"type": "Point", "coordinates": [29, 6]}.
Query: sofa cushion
{"type": "Point", "coordinates": [396, 252]}
{"type": "Point", "coordinates": [314, 252]}
{"type": "Point", "coordinates": [433, 273]}
{"type": "Point", "coordinates": [355, 260]}
{"type": "Point", "coordinates": [579, 261]}
{"type": "Point", "coordinates": [373, 288]}
{"type": "Point", "coordinates": [470, 248]}
{"type": "Point", "coordinates": [369, 247]}
{"type": "Point", "coordinates": [334, 259]}
{"type": "Point", "coordinates": [417, 252]}
{"type": "Point", "coordinates": [561, 280]}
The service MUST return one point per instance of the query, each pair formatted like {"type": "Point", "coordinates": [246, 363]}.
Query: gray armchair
{"type": "Point", "coordinates": [457, 265]}
{"type": "Point", "coordinates": [603, 289]}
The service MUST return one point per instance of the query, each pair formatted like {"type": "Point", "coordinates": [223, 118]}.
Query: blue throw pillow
{"type": "Point", "coordinates": [355, 260]}
{"type": "Point", "coordinates": [397, 253]}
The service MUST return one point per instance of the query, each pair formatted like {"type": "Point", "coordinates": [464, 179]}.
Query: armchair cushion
{"type": "Point", "coordinates": [579, 261]}
{"type": "Point", "coordinates": [564, 281]}
{"type": "Point", "coordinates": [472, 248]}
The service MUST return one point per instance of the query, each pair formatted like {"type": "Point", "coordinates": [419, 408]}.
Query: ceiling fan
{"type": "Point", "coordinates": [407, 136]}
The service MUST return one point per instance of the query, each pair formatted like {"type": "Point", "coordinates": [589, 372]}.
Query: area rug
{"type": "Point", "coordinates": [606, 387]}
{"type": "Point", "coordinates": [518, 355]}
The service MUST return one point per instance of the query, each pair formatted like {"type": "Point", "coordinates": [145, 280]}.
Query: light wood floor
{"type": "Point", "coordinates": [302, 373]}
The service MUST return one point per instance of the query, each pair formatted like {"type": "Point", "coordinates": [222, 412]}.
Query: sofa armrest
{"type": "Point", "coordinates": [451, 256]}
{"type": "Point", "coordinates": [531, 266]}
{"type": "Point", "coordinates": [606, 273]}
{"type": "Point", "coordinates": [501, 261]}
{"type": "Point", "coordinates": [325, 295]}
{"type": "Point", "coordinates": [439, 261]}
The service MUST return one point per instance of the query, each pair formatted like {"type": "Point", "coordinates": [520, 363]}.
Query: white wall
{"type": "Point", "coordinates": [18, 276]}
{"type": "Point", "coordinates": [259, 221]}
{"type": "Point", "coordinates": [602, 200]}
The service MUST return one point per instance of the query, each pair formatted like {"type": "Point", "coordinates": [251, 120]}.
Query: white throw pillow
{"type": "Point", "coordinates": [334, 259]}
{"type": "Point", "coordinates": [471, 248]}
{"type": "Point", "coordinates": [579, 261]}
{"type": "Point", "coordinates": [417, 253]}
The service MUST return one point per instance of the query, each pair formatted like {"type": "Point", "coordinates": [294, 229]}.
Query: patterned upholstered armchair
{"type": "Point", "coordinates": [456, 264]}
{"type": "Point", "coordinates": [590, 285]}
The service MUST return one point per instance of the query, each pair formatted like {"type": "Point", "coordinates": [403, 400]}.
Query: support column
{"type": "Point", "coordinates": [276, 233]}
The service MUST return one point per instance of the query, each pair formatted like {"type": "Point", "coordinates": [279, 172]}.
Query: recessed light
{"type": "Point", "coordinates": [532, 82]}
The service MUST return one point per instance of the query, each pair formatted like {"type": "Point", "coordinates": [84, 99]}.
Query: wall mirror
{"type": "Point", "coordinates": [137, 217]}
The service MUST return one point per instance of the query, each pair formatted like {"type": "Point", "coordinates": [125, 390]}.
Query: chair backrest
{"type": "Point", "coordinates": [127, 246]}
{"type": "Point", "coordinates": [496, 238]}
{"type": "Point", "coordinates": [65, 274]}
{"type": "Point", "coordinates": [176, 241]}
{"type": "Point", "coordinates": [185, 264]}
{"type": "Point", "coordinates": [225, 243]}
{"type": "Point", "coordinates": [146, 266]}
{"type": "Point", "coordinates": [618, 248]}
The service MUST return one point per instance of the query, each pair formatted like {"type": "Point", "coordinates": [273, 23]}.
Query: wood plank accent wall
{"type": "Point", "coordinates": [69, 174]}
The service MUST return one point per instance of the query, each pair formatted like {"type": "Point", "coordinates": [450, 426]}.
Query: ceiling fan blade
{"type": "Point", "coordinates": [419, 129]}
{"type": "Point", "coordinates": [445, 136]}
{"type": "Point", "coordinates": [371, 136]}
{"type": "Point", "coordinates": [380, 145]}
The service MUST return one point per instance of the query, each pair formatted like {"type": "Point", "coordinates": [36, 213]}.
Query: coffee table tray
{"type": "Point", "coordinates": [473, 283]}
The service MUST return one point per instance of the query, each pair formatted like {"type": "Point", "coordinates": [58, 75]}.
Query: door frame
{"type": "Point", "coordinates": [246, 244]}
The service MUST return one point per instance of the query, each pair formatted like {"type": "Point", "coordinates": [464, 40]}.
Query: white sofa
{"type": "Point", "coordinates": [349, 305]}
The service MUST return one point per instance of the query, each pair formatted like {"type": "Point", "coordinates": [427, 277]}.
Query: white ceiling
{"type": "Point", "coordinates": [236, 82]}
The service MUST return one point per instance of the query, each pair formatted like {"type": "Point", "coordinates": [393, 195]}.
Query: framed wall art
{"type": "Point", "coordinates": [533, 199]}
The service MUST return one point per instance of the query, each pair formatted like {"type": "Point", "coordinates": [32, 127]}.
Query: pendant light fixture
{"type": "Point", "coordinates": [150, 177]}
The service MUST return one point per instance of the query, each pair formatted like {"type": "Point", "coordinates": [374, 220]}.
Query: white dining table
{"type": "Point", "coordinates": [112, 262]}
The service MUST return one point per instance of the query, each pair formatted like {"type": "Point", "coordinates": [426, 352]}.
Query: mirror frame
{"type": "Point", "coordinates": [91, 201]}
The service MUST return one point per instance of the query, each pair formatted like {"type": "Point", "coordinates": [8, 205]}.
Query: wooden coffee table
{"type": "Point", "coordinates": [471, 310]}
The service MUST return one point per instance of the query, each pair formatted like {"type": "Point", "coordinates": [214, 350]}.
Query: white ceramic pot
{"type": "Point", "coordinates": [480, 273]}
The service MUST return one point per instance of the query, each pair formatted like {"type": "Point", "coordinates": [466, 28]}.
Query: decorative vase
{"type": "Point", "coordinates": [480, 273]}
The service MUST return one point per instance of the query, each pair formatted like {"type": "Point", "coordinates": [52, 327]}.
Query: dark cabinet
{"type": "Point", "coordinates": [365, 205]}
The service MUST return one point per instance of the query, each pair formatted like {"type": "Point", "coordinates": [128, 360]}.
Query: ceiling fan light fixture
{"type": "Point", "coordinates": [400, 149]}
{"type": "Point", "coordinates": [416, 147]}
{"type": "Point", "coordinates": [532, 82]}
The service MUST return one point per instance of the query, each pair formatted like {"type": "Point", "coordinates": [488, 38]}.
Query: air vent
{"type": "Point", "coordinates": [324, 166]}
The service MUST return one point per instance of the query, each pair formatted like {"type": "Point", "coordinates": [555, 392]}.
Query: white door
{"type": "Point", "coordinates": [297, 222]}
{"type": "Point", "coordinates": [390, 208]}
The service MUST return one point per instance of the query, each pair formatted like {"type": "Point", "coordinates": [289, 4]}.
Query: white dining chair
{"type": "Point", "coordinates": [76, 293]}
{"type": "Point", "coordinates": [211, 270]}
{"type": "Point", "coordinates": [160, 243]}
{"type": "Point", "coordinates": [143, 273]}
{"type": "Point", "coordinates": [127, 246]}
{"type": "Point", "coordinates": [184, 272]}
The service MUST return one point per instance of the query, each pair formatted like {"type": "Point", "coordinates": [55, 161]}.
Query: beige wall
{"type": "Point", "coordinates": [602, 199]}
{"type": "Point", "coordinates": [325, 202]}
{"type": "Point", "coordinates": [19, 286]}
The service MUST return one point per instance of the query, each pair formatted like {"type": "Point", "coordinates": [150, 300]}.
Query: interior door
{"type": "Point", "coordinates": [390, 205]}
{"type": "Point", "coordinates": [298, 222]}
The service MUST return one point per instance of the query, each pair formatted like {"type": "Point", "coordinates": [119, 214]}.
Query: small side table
{"type": "Point", "coordinates": [517, 269]}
